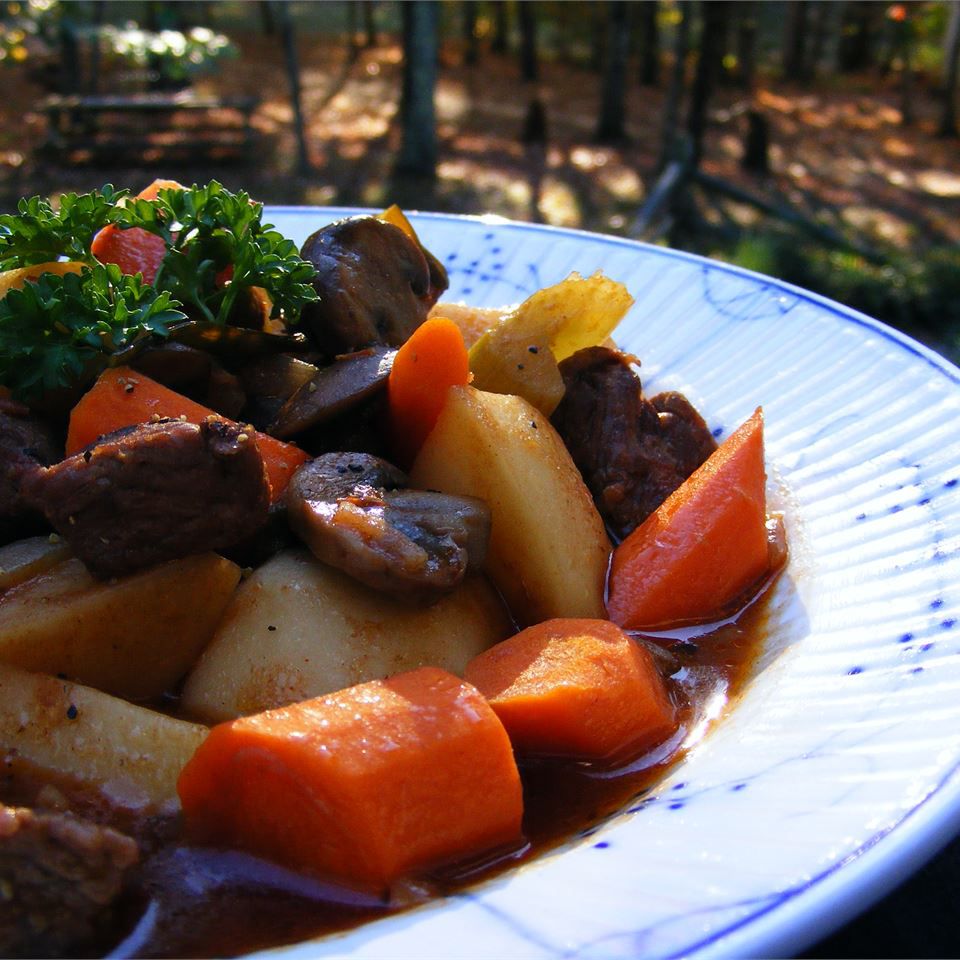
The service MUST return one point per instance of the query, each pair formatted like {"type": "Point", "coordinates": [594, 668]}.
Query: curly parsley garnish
{"type": "Point", "coordinates": [57, 330]}
{"type": "Point", "coordinates": [37, 233]}
{"type": "Point", "coordinates": [210, 231]}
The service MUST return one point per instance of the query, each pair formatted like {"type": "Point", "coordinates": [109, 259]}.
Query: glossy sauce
{"type": "Point", "coordinates": [194, 902]}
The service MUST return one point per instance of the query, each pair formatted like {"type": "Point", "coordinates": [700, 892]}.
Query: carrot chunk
{"type": "Point", "coordinates": [121, 397]}
{"type": "Point", "coordinates": [703, 548]}
{"type": "Point", "coordinates": [431, 361]}
{"type": "Point", "coordinates": [134, 250]}
{"type": "Point", "coordinates": [364, 785]}
{"type": "Point", "coordinates": [575, 688]}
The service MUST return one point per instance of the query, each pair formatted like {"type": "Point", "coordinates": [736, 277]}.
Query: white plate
{"type": "Point", "coordinates": [837, 772]}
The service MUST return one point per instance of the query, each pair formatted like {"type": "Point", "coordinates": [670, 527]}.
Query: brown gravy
{"type": "Point", "coordinates": [194, 902]}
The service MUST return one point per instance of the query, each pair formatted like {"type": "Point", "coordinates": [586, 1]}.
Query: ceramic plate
{"type": "Point", "coordinates": [837, 771]}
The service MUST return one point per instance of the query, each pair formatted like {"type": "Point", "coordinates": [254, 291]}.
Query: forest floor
{"type": "Point", "coordinates": [839, 152]}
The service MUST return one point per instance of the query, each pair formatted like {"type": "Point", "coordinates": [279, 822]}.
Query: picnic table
{"type": "Point", "coordinates": [153, 125]}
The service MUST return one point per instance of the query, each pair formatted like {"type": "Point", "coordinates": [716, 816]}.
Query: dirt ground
{"type": "Point", "coordinates": [839, 152]}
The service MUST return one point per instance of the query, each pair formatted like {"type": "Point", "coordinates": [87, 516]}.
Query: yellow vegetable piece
{"type": "Point", "coordinates": [519, 355]}
{"type": "Point", "coordinates": [85, 738]}
{"type": "Point", "coordinates": [15, 279]}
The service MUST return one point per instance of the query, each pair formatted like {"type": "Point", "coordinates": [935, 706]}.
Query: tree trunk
{"type": "Point", "coordinates": [267, 20]}
{"type": "Point", "coordinates": [902, 45]}
{"type": "Point", "coordinates": [611, 126]}
{"type": "Point", "coordinates": [858, 24]}
{"type": "Point", "coordinates": [671, 104]}
{"type": "Point", "coordinates": [598, 36]}
{"type": "Point", "coordinates": [471, 52]}
{"type": "Point", "coordinates": [500, 43]}
{"type": "Point", "coordinates": [649, 43]}
{"type": "Point", "coordinates": [746, 45]}
{"type": "Point", "coordinates": [756, 157]}
{"type": "Point", "coordinates": [951, 59]}
{"type": "Point", "coordinates": [795, 41]}
{"type": "Point", "coordinates": [822, 16]}
{"type": "Point", "coordinates": [418, 147]}
{"type": "Point", "coordinates": [708, 69]}
{"type": "Point", "coordinates": [369, 24]}
{"type": "Point", "coordinates": [353, 30]}
{"type": "Point", "coordinates": [293, 77]}
{"type": "Point", "coordinates": [529, 64]}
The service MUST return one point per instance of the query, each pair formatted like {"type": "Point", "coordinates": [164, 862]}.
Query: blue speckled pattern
{"type": "Point", "coordinates": [837, 771]}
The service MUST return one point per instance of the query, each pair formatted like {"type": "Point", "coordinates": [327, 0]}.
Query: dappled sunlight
{"type": "Point", "coordinates": [589, 158]}
{"type": "Point", "coordinates": [621, 183]}
{"type": "Point", "coordinates": [880, 223]}
{"type": "Point", "coordinates": [897, 147]}
{"type": "Point", "coordinates": [559, 204]}
{"type": "Point", "coordinates": [940, 183]}
{"type": "Point", "coordinates": [452, 101]}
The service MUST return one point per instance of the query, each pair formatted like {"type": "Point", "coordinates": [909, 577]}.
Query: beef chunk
{"type": "Point", "coordinates": [155, 492]}
{"type": "Point", "coordinates": [376, 285]}
{"type": "Point", "coordinates": [633, 452]}
{"type": "Point", "coordinates": [26, 445]}
{"type": "Point", "coordinates": [415, 545]}
{"type": "Point", "coordinates": [59, 876]}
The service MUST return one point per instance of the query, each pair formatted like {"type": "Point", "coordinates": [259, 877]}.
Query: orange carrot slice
{"type": "Point", "coordinates": [364, 785]}
{"type": "Point", "coordinates": [134, 250]}
{"type": "Point", "coordinates": [432, 360]}
{"type": "Point", "coordinates": [575, 688]}
{"type": "Point", "coordinates": [703, 548]}
{"type": "Point", "coordinates": [121, 397]}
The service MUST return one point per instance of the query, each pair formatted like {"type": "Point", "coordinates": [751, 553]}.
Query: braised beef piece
{"type": "Point", "coordinates": [155, 492]}
{"type": "Point", "coordinates": [26, 445]}
{"type": "Point", "coordinates": [59, 877]}
{"type": "Point", "coordinates": [415, 545]}
{"type": "Point", "coordinates": [633, 452]}
{"type": "Point", "coordinates": [376, 285]}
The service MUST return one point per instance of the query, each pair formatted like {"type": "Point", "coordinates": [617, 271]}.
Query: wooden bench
{"type": "Point", "coordinates": [150, 125]}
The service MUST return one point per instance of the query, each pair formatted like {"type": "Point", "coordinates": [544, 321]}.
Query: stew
{"type": "Point", "coordinates": [267, 511]}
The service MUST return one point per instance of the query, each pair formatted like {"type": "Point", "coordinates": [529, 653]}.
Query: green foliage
{"type": "Point", "coordinates": [209, 230]}
{"type": "Point", "coordinates": [38, 233]}
{"type": "Point", "coordinates": [21, 23]}
{"type": "Point", "coordinates": [175, 54]}
{"type": "Point", "coordinates": [920, 296]}
{"type": "Point", "coordinates": [57, 330]}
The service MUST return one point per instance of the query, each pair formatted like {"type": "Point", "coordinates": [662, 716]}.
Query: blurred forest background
{"type": "Point", "coordinates": [813, 140]}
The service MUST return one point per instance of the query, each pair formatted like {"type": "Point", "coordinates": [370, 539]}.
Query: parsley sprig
{"type": "Point", "coordinates": [58, 330]}
{"type": "Point", "coordinates": [209, 231]}
{"type": "Point", "coordinates": [38, 233]}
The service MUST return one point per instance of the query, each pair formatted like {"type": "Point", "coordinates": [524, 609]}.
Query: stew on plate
{"type": "Point", "coordinates": [320, 596]}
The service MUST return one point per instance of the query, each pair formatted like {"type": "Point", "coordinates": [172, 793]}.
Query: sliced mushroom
{"type": "Point", "coordinates": [333, 390]}
{"type": "Point", "coordinates": [375, 285]}
{"type": "Point", "coordinates": [412, 544]}
{"type": "Point", "coordinates": [269, 382]}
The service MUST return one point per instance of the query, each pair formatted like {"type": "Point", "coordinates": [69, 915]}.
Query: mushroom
{"type": "Point", "coordinates": [333, 390]}
{"type": "Point", "coordinates": [414, 545]}
{"type": "Point", "coordinates": [375, 285]}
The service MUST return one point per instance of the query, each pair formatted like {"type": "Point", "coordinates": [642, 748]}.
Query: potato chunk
{"type": "Point", "coordinates": [134, 637]}
{"type": "Point", "coordinates": [129, 754]}
{"type": "Point", "coordinates": [298, 629]}
{"type": "Point", "coordinates": [24, 559]}
{"type": "Point", "coordinates": [549, 549]}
